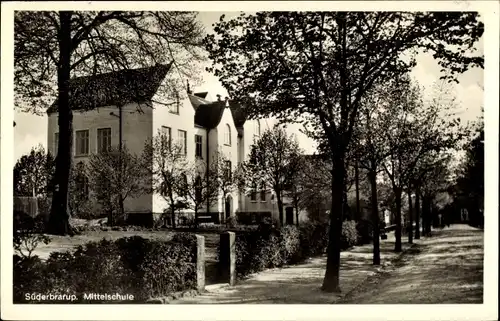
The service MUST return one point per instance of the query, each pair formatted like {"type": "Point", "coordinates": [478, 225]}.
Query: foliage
{"type": "Point", "coordinates": [269, 247]}
{"type": "Point", "coordinates": [317, 66]}
{"type": "Point", "coordinates": [199, 185]}
{"type": "Point", "coordinates": [144, 268]}
{"type": "Point", "coordinates": [232, 222]}
{"type": "Point", "coordinates": [27, 237]}
{"type": "Point", "coordinates": [273, 164]}
{"type": "Point", "coordinates": [50, 47]}
{"type": "Point", "coordinates": [469, 186]}
{"type": "Point", "coordinates": [164, 161]}
{"type": "Point", "coordinates": [110, 185]}
{"type": "Point", "coordinates": [79, 201]}
{"type": "Point", "coordinates": [349, 236]}
{"type": "Point", "coordinates": [33, 172]}
{"type": "Point", "coordinates": [364, 230]}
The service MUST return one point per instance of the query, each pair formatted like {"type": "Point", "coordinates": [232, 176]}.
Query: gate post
{"type": "Point", "coordinates": [227, 258]}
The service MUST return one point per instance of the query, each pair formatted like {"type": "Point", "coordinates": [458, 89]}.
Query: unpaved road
{"type": "Point", "coordinates": [445, 268]}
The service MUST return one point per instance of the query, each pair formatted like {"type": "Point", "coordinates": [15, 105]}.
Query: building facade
{"type": "Point", "coordinates": [202, 127]}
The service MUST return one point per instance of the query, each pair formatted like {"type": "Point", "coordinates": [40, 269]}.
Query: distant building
{"type": "Point", "coordinates": [203, 127]}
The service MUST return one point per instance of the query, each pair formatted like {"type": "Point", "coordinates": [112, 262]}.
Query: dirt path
{"type": "Point", "coordinates": [445, 268]}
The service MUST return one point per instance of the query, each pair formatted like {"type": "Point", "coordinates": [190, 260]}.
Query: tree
{"type": "Point", "coordinates": [273, 163]}
{"type": "Point", "coordinates": [319, 65]}
{"type": "Point", "coordinates": [79, 200]}
{"type": "Point", "coordinates": [469, 185]}
{"type": "Point", "coordinates": [165, 163]}
{"type": "Point", "coordinates": [370, 145]}
{"type": "Point", "coordinates": [419, 129]}
{"type": "Point", "coordinates": [199, 186]}
{"type": "Point", "coordinates": [111, 187]}
{"type": "Point", "coordinates": [51, 47]}
{"type": "Point", "coordinates": [32, 173]}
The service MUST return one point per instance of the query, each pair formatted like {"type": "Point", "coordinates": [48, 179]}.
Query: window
{"type": "Point", "coordinates": [82, 181]}
{"type": "Point", "coordinates": [166, 133]}
{"type": "Point", "coordinates": [56, 143]}
{"type": "Point", "coordinates": [227, 135]}
{"type": "Point", "coordinates": [253, 193]}
{"type": "Point", "coordinates": [257, 128]}
{"type": "Point", "coordinates": [198, 144]}
{"type": "Point", "coordinates": [174, 107]}
{"type": "Point", "coordinates": [198, 190]}
{"type": "Point", "coordinates": [183, 141]}
{"type": "Point", "coordinates": [227, 170]}
{"type": "Point", "coordinates": [103, 140]}
{"type": "Point", "coordinates": [82, 142]}
{"type": "Point", "coordinates": [263, 193]}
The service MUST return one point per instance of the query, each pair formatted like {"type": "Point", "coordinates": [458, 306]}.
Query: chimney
{"type": "Point", "coordinates": [188, 88]}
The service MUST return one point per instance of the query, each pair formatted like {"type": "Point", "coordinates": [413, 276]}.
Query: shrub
{"type": "Point", "coordinates": [313, 238]}
{"type": "Point", "coordinates": [232, 222]}
{"type": "Point", "coordinates": [349, 235]}
{"type": "Point", "coordinates": [268, 247]}
{"type": "Point", "coordinates": [290, 242]}
{"type": "Point", "coordinates": [365, 231]}
{"type": "Point", "coordinates": [145, 268]}
{"type": "Point", "coordinates": [27, 236]}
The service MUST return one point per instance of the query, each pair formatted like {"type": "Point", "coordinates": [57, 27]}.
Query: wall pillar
{"type": "Point", "coordinates": [227, 258]}
{"type": "Point", "coordinates": [200, 263]}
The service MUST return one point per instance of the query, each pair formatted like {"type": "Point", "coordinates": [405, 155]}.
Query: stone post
{"type": "Point", "coordinates": [227, 259]}
{"type": "Point", "coordinates": [200, 263]}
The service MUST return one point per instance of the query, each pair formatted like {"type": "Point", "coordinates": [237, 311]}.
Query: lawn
{"type": "Point", "coordinates": [63, 243]}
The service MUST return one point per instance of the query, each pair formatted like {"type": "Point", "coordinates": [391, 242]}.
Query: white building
{"type": "Point", "coordinates": [203, 127]}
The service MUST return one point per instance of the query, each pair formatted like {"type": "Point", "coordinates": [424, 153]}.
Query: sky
{"type": "Point", "coordinates": [31, 130]}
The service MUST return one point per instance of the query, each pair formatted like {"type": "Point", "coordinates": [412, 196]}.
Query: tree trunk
{"type": "Point", "coordinates": [331, 280]}
{"type": "Point", "coordinates": [426, 216]}
{"type": "Point", "coordinates": [356, 174]}
{"type": "Point", "coordinates": [120, 144]}
{"type": "Point", "coordinates": [397, 232]}
{"type": "Point", "coordinates": [172, 207]}
{"type": "Point", "coordinates": [280, 207]}
{"type": "Point", "coordinates": [410, 217]}
{"type": "Point", "coordinates": [58, 222]}
{"type": "Point", "coordinates": [296, 202]}
{"type": "Point", "coordinates": [375, 218]}
{"type": "Point", "coordinates": [417, 214]}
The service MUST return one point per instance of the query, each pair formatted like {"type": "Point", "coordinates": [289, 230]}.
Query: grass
{"type": "Point", "coordinates": [64, 243]}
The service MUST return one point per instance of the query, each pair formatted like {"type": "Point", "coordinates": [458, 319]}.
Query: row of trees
{"type": "Point", "coordinates": [322, 66]}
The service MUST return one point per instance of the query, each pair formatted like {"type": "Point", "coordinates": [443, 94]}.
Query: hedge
{"type": "Point", "coordinates": [269, 247]}
{"type": "Point", "coordinates": [132, 265]}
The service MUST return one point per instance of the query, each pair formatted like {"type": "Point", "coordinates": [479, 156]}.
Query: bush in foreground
{"type": "Point", "coordinates": [132, 265]}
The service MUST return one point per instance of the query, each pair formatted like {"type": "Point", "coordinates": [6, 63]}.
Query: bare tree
{"type": "Point", "coordinates": [51, 47]}
{"type": "Point", "coordinates": [111, 186]}
{"type": "Point", "coordinates": [199, 186]}
{"type": "Point", "coordinates": [273, 163]}
{"type": "Point", "coordinates": [165, 162]}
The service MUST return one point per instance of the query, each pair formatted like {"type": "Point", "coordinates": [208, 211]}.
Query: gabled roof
{"type": "Point", "coordinates": [209, 114]}
{"type": "Point", "coordinates": [202, 95]}
{"type": "Point", "coordinates": [114, 88]}
{"type": "Point", "coordinates": [197, 101]}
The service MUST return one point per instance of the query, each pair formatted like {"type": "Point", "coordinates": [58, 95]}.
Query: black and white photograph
{"type": "Point", "coordinates": [300, 161]}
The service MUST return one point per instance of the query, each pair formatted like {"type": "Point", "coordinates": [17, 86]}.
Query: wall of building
{"type": "Point", "coordinates": [184, 120]}
{"type": "Point", "coordinates": [136, 130]}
